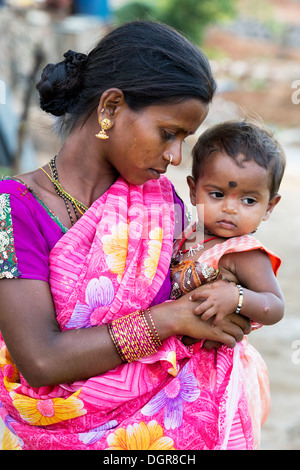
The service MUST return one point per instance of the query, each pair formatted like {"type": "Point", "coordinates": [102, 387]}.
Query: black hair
{"type": "Point", "coordinates": [149, 62]}
{"type": "Point", "coordinates": [253, 141]}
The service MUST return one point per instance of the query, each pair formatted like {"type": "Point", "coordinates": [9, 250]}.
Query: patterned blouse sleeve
{"type": "Point", "coordinates": [8, 259]}
{"type": "Point", "coordinates": [24, 248]}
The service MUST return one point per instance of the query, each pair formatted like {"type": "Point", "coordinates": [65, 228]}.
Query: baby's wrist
{"type": "Point", "coordinates": [240, 299]}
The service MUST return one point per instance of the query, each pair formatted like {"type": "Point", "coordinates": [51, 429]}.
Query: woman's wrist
{"type": "Point", "coordinates": [135, 335]}
{"type": "Point", "coordinates": [164, 318]}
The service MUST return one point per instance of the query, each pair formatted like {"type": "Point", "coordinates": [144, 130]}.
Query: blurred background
{"type": "Point", "coordinates": [254, 50]}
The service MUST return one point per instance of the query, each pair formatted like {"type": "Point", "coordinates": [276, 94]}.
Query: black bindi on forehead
{"type": "Point", "coordinates": [232, 184]}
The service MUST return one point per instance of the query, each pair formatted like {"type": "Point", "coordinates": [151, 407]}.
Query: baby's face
{"type": "Point", "coordinates": [235, 198]}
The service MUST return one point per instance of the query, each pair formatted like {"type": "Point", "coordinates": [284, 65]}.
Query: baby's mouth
{"type": "Point", "coordinates": [227, 224]}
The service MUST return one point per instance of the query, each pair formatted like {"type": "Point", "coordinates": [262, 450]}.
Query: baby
{"type": "Point", "coordinates": [236, 174]}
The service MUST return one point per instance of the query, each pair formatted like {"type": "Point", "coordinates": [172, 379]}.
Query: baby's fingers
{"type": "Point", "coordinates": [209, 313]}
{"type": "Point", "coordinates": [201, 293]}
{"type": "Point", "coordinates": [202, 308]}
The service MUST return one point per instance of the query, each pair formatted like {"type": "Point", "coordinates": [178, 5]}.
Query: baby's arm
{"type": "Point", "coordinates": [262, 297]}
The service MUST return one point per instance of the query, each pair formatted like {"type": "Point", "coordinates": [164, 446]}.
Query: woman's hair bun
{"type": "Point", "coordinates": [60, 84]}
{"type": "Point", "coordinates": [149, 62]}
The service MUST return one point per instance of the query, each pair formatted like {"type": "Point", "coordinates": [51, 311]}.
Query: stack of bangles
{"type": "Point", "coordinates": [133, 337]}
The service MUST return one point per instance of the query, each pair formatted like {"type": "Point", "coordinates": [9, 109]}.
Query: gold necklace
{"type": "Point", "coordinates": [77, 205]}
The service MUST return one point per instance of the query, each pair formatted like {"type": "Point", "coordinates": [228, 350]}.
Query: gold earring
{"type": "Point", "coordinates": [105, 125]}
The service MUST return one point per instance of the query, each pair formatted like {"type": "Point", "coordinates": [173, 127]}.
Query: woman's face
{"type": "Point", "coordinates": [141, 143]}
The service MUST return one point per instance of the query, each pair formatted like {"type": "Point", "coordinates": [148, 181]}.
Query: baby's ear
{"type": "Point", "coordinates": [272, 203]}
{"type": "Point", "coordinates": [192, 186]}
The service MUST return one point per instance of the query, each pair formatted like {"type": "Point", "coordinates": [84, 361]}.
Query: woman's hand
{"type": "Point", "coordinates": [230, 323]}
{"type": "Point", "coordinates": [178, 318]}
{"type": "Point", "coordinates": [37, 345]}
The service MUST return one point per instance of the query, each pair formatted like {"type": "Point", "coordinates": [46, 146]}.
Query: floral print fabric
{"type": "Point", "coordinates": [112, 262]}
{"type": "Point", "coordinates": [8, 259]}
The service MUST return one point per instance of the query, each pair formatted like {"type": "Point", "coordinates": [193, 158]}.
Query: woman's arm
{"type": "Point", "coordinates": [263, 300]}
{"type": "Point", "coordinates": [44, 354]}
{"type": "Point", "coordinates": [47, 356]}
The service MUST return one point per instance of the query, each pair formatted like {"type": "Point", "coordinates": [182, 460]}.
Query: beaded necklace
{"type": "Point", "coordinates": [77, 205]}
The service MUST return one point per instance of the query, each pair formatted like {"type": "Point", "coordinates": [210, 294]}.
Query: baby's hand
{"type": "Point", "coordinates": [220, 298]}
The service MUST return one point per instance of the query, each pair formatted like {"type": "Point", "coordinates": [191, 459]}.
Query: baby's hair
{"type": "Point", "coordinates": [234, 138]}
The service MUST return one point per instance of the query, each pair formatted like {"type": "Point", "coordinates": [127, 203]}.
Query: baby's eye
{"type": "Point", "coordinates": [250, 201]}
{"type": "Point", "coordinates": [216, 194]}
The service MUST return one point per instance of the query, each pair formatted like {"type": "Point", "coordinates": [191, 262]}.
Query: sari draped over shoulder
{"type": "Point", "coordinates": [112, 262]}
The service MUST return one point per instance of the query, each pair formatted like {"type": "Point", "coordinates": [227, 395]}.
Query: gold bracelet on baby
{"type": "Point", "coordinates": [133, 337]}
{"type": "Point", "coordinates": [241, 298]}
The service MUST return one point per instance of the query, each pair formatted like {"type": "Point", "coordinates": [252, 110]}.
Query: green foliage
{"type": "Point", "coordinates": [135, 11]}
{"type": "Point", "coordinates": [5, 171]}
{"type": "Point", "coordinates": [190, 17]}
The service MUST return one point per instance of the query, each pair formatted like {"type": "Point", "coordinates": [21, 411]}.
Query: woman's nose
{"type": "Point", "coordinates": [177, 158]}
{"type": "Point", "coordinates": [173, 155]}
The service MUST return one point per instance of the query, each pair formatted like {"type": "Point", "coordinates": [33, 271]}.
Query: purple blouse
{"type": "Point", "coordinates": [29, 231]}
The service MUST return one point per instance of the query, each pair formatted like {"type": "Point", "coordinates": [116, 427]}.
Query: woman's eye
{"type": "Point", "coordinates": [250, 201]}
{"type": "Point", "coordinates": [167, 135]}
{"type": "Point", "coordinates": [216, 194]}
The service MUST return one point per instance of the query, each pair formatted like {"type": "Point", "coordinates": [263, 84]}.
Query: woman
{"type": "Point", "coordinates": [102, 215]}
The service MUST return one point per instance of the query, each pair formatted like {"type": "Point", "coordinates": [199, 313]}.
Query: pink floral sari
{"type": "Point", "coordinates": [113, 262]}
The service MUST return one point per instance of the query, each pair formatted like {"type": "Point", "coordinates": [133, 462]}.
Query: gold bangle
{"type": "Point", "coordinates": [156, 337]}
{"type": "Point", "coordinates": [111, 332]}
{"type": "Point", "coordinates": [133, 337]}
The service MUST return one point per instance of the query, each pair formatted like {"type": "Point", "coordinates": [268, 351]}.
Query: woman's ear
{"type": "Point", "coordinates": [111, 101]}
{"type": "Point", "coordinates": [192, 186]}
{"type": "Point", "coordinates": [272, 203]}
